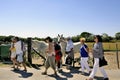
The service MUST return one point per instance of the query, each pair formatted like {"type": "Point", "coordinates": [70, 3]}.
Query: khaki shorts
{"type": "Point", "coordinates": [50, 62]}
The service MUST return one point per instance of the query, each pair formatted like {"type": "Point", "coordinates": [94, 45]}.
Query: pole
{"type": "Point", "coordinates": [29, 40]}
{"type": "Point", "coordinates": [117, 56]}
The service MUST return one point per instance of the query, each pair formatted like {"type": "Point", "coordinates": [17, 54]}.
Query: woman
{"type": "Point", "coordinates": [58, 55]}
{"type": "Point", "coordinates": [84, 50]}
{"type": "Point", "coordinates": [50, 61]}
{"type": "Point", "coordinates": [97, 54]}
{"type": "Point", "coordinates": [13, 53]}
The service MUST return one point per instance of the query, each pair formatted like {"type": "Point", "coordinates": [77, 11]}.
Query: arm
{"type": "Point", "coordinates": [86, 48]}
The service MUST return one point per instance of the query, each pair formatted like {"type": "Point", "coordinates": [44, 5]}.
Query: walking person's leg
{"type": "Point", "coordinates": [47, 65]}
{"type": "Point", "coordinates": [104, 73]}
{"type": "Point", "coordinates": [12, 59]}
{"type": "Point", "coordinates": [23, 63]}
{"type": "Point", "coordinates": [86, 65]}
{"type": "Point", "coordinates": [82, 65]}
{"type": "Point", "coordinates": [58, 64]}
{"type": "Point", "coordinates": [72, 56]}
{"type": "Point", "coordinates": [95, 67]}
{"type": "Point", "coordinates": [20, 60]}
{"type": "Point", "coordinates": [52, 64]}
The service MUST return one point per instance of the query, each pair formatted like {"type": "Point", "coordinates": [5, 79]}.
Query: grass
{"type": "Point", "coordinates": [108, 46]}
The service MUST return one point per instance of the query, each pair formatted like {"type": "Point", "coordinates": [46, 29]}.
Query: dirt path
{"type": "Point", "coordinates": [6, 73]}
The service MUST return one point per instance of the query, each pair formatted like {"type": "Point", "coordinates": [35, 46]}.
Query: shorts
{"type": "Point", "coordinates": [50, 62]}
{"type": "Point", "coordinates": [13, 55]}
{"type": "Point", "coordinates": [20, 57]}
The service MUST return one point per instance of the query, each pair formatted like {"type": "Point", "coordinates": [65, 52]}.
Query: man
{"type": "Point", "coordinates": [69, 52]}
{"type": "Point", "coordinates": [19, 52]}
{"type": "Point", "coordinates": [50, 61]}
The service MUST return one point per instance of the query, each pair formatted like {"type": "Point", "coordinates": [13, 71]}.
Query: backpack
{"type": "Point", "coordinates": [23, 47]}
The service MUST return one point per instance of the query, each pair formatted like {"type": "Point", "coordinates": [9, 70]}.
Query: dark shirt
{"type": "Point", "coordinates": [57, 47]}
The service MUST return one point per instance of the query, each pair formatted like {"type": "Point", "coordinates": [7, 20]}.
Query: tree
{"type": "Point", "coordinates": [87, 35]}
{"type": "Point", "coordinates": [117, 36]}
{"type": "Point", "coordinates": [76, 38]}
{"type": "Point", "coordinates": [90, 38]}
{"type": "Point", "coordinates": [105, 37]}
{"type": "Point", "coordinates": [2, 38]}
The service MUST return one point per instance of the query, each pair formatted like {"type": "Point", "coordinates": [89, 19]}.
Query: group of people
{"type": "Point", "coordinates": [54, 56]}
{"type": "Point", "coordinates": [98, 55]}
{"type": "Point", "coordinates": [17, 53]}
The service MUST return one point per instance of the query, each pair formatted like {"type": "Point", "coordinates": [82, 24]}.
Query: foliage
{"type": "Point", "coordinates": [89, 37]}
{"type": "Point", "coordinates": [117, 36]}
{"type": "Point", "coordinates": [106, 37]}
{"type": "Point", "coordinates": [76, 38]}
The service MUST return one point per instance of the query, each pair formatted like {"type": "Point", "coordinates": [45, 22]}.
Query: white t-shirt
{"type": "Point", "coordinates": [69, 45]}
{"type": "Point", "coordinates": [18, 47]}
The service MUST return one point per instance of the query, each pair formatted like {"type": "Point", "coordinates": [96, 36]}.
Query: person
{"type": "Point", "coordinates": [50, 61]}
{"type": "Point", "coordinates": [13, 53]}
{"type": "Point", "coordinates": [58, 55]}
{"type": "Point", "coordinates": [97, 54]}
{"type": "Point", "coordinates": [69, 52]}
{"type": "Point", "coordinates": [19, 51]}
{"type": "Point", "coordinates": [84, 50]}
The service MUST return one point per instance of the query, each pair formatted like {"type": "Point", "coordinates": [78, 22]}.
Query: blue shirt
{"type": "Point", "coordinates": [83, 52]}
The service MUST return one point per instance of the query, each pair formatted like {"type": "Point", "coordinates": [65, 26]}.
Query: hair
{"type": "Point", "coordinates": [49, 39]}
{"type": "Point", "coordinates": [99, 38]}
{"type": "Point", "coordinates": [16, 38]}
{"type": "Point", "coordinates": [82, 39]}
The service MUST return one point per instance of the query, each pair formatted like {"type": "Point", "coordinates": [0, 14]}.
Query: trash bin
{"type": "Point", "coordinates": [4, 51]}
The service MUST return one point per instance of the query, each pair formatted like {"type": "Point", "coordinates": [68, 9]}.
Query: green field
{"type": "Point", "coordinates": [108, 46]}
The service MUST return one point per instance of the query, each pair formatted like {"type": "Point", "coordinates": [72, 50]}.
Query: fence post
{"type": "Point", "coordinates": [117, 56]}
{"type": "Point", "coordinates": [29, 50]}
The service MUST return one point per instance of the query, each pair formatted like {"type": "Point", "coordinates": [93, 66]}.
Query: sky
{"type": "Point", "coordinates": [42, 18]}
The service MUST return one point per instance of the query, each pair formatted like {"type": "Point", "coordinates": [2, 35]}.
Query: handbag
{"type": "Point", "coordinates": [68, 60]}
{"type": "Point", "coordinates": [102, 62]}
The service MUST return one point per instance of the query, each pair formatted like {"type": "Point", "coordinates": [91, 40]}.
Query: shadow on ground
{"type": "Point", "coordinates": [66, 74]}
{"type": "Point", "coordinates": [57, 77]}
{"type": "Point", "coordinates": [23, 73]}
{"type": "Point", "coordinates": [98, 78]}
